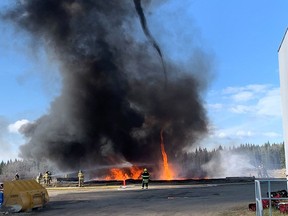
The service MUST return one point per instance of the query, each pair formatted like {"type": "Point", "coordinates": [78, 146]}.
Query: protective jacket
{"type": "Point", "coordinates": [80, 175]}
{"type": "Point", "coordinates": [145, 176]}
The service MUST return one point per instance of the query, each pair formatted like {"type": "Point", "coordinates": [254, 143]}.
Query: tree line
{"type": "Point", "coordinates": [202, 162]}
{"type": "Point", "coordinates": [272, 156]}
{"type": "Point", "coordinates": [196, 163]}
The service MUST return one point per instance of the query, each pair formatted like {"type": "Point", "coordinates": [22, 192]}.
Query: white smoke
{"type": "Point", "coordinates": [227, 164]}
{"type": "Point", "coordinates": [14, 128]}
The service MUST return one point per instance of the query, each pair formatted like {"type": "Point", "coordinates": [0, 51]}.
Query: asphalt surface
{"type": "Point", "coordinates": [158, 200]}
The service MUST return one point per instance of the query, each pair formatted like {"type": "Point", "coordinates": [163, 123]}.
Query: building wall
{"type": "Point", "coordinates": [283, 67]}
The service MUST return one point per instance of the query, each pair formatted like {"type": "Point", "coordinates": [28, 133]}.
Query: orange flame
{"type": "Point", "coordinates": [123, 174]}
{"type": "Point", "coordinates": [167, 171]}
{"type": "Point", "coordinates": [116, 174]}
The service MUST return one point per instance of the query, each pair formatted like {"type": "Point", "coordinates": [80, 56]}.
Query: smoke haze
{"type": "Point", "coordinates": [230, 164]}
{"type": "Point", "coordinates": [112, 104]}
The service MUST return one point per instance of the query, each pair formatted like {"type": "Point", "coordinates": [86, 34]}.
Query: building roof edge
{"type": "Point", "coordinates": [283, 39]}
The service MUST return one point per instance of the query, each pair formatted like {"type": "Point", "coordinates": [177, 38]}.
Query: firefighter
{"type": "Point", "coordinates": [39, 178]}
{"type": "Point", "coordinates": [80, 178]}
{"type": "Point", "coordinates": [47, 178]}
{"type": "Point", "coordinates": [145, 178]}
{"type": "Point", "coordinates": [16, 177]}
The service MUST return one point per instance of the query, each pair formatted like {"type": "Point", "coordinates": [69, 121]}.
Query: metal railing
{"type": "Point", "coordinates": [259, 198]}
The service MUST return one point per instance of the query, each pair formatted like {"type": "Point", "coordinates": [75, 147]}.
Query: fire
{"type": "Point", "coordinates": [125, 173]}
{"type": "Point", "coordinates": [134, 172]}
{"type": "Point", "coordinates": [167, 171]}
{"type": "Point", "coordinates": [116, 174]}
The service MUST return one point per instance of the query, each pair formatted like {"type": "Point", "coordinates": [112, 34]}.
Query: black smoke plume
{"type": "Point", "coordinates": [112, 105]}
{"type": "Point", "coordinates": [145, 28]}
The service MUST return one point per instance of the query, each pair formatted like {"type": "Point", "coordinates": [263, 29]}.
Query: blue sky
{"type": "Point", "coordinates": [242, 100]}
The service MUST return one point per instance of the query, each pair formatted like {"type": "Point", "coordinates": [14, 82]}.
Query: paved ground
{"type": "Point", "coordinates": [158, 200]}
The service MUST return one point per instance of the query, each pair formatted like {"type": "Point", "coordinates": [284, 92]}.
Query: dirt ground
{"type": "Point", "coordinates": [158, 200]}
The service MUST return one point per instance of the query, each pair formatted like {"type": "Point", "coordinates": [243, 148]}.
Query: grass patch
{"type": "Point", "coordinates": [238, 211]}
{"type": "Point", "coordinates": [244, 211]}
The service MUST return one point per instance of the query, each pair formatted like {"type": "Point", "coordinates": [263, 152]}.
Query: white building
{"type": "Point", "coordinates": [283, 67]}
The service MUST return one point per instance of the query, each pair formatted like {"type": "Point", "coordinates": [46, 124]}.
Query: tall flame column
{"type": "Point", "coordinates": [283, 69]}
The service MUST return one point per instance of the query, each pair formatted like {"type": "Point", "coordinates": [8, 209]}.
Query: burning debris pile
{"type": "Point", "coordinates": [115, 105]}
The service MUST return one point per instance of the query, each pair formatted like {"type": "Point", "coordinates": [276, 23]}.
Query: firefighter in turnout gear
{"type": "Point", "coordinates": [145, 178]}
{"type": "Point", "coordinates": [80, 178]}
{"type": "Point", "coordinates": [47, 178]}
{"type": "Point", "coordinates": [16, 177]}
{"type": "Point", "coordinates": [39, 178]}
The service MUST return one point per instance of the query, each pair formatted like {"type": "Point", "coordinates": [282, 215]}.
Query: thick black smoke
{"type": "Point", "coordinates": [112, 106]}
{"type": "Point", "coordinates": [140, 12]}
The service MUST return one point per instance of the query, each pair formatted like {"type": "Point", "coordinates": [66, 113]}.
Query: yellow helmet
{"type": "Point", "coordinates": [145, 170]}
